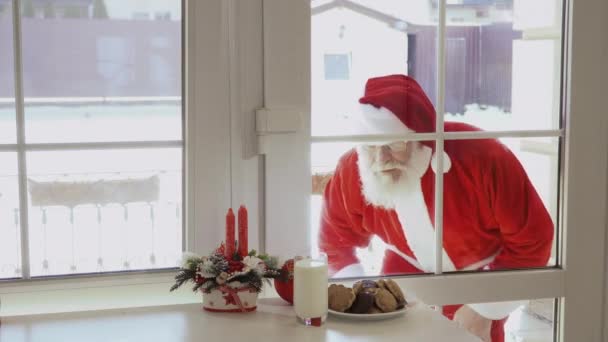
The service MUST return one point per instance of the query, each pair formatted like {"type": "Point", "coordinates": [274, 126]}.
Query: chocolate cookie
{"type": "Point", "coordinates": [385, 301]}
{"type": "Point", "coordinates": [357, 288]}
{"type": "Point", "coordinates": [363, 303]}
{"type": "Point", "coordinates": [392, 286]}
{"type": "Point", "coordinates": [372, 291]}
{"type": "Point", "coordinates": [364, 284]}
{"type": "Point", "coordinates": [339, 297]}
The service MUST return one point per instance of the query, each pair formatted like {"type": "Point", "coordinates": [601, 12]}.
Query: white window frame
{"type": "Point", "coordinates": [579, 281]}
{"type": "Point", "coordinates": [21, 148]}
{"type": "Point", "coordinates": [222, 88]}
{"type": "Point", "coordinates": [242, 56]}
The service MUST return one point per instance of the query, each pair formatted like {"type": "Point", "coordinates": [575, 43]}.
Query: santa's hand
{"type": "Point", "coordinates": [475, 323]}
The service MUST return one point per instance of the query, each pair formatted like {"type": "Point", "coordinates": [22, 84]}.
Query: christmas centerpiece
{"type": "Point", "coordinates": [231, 277]}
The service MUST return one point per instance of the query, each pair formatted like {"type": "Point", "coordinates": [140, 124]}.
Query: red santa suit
{"type": "Point", "coordinates": [493, 217]}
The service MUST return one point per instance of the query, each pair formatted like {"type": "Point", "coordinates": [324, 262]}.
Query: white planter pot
{"type": "Point", "coordinates": [218, 301]}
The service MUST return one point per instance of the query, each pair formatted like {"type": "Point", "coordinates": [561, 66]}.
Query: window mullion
{"type": "Point", "coordinates": [460, 135]}
{"type": "Point", "coordinates": [103, 145]}
{"type": "Point", "coordinates": [441, 67]}
{"type": "Point", "coordinates": [8, 147]}
{"type": "Point", "coordinates": [21, 160]}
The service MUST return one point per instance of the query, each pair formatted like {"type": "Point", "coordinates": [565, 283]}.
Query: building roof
{"type": "Point", "coordinates": [392, 21]}
{"type": "Point", "coordinates": [475, 3]}
{"type": "Point", "coordinates": [55, 2]}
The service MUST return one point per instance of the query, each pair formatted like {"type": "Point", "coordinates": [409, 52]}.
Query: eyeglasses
{"type": "Point", "coordinates": [395, 146]}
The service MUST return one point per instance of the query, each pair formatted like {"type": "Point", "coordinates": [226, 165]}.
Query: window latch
{"type": "Point", "coordinates": [278, 121]}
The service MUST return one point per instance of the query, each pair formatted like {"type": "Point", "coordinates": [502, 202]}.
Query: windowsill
{"type": "Point", "coordinates": [89, 293]}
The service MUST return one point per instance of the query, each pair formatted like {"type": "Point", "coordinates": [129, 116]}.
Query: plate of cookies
{"type": "Point", "coordinates": [367, 300]}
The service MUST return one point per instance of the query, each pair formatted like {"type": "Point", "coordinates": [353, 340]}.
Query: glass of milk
{"type": "Point", "coordinates": [310, 290]}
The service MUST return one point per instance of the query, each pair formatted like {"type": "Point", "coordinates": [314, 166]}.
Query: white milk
{"type": "Point", "coordinates": [310, 288]}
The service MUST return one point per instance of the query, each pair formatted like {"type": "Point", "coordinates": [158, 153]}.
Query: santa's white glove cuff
{"type": "Point", "coordinates": [497, 310]}
{"type": "Point", "coordinates": [353, 270]}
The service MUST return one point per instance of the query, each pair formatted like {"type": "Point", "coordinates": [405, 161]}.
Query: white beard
{"type": "Point", "coordinates": [381, 189]}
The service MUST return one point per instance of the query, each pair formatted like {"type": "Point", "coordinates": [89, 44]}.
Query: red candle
{"type": "Point", "coordinates": [229, 252]}
{"type": "Point", "coordinates": [243, 231]}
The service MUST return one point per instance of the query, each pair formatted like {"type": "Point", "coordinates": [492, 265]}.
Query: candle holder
{"type": "Point", "coordinates": [228, 284]}
{"type": "Point", "coordinates": [230, 278]}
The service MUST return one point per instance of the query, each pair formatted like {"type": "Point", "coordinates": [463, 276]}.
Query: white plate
{"type": "Point", "coordinates": [368, 317]}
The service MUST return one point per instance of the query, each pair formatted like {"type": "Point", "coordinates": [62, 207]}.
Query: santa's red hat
{"type": "Point", "coordinates": [396, 104]}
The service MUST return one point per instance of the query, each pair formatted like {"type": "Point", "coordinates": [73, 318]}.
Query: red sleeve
{"type": "Point", "coordinates": [525, 225]}
{"type": "Point", "coordinates": [341, 228]}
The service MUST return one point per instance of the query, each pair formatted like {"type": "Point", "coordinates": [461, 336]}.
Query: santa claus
{"type": "Point", "coordinates": [493, 217]}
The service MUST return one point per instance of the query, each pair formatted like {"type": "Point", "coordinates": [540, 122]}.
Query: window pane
{"type": "Point", "coordinates": [361, 194]}
{"type": "Point", "coordinates": [8, 132]}
{"type": "Point", "coordinates": [528, 320]}
{"type": "Point", "coordinates": [500, 76]}
{"type": "Point", "coordinates": [94, 211]}
{"type": "Point", "coordinates": [353, 41]}
{"type": "Point", "coordinates": [539, 14]}
{"type": "Point", "coordinates": [500, 204]}
{"type": "Point", "coordinates": [111, 70]}
{"type": "Point", "coordinates": [10, 233]}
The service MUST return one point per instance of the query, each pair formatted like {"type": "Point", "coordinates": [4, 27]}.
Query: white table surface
{"type": "Point", "coordinates": [273, 321]}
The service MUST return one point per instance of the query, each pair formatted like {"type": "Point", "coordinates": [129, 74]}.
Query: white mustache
{"type": "Point", "coordinates": [388, 166]}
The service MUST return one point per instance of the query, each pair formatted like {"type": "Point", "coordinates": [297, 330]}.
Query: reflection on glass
{"type": "Point", "coordinates": [8, 132]}
{"type": "Point", "coordinates": [503, 63]}
{"type": "Point", "coordinates": [10, 233]}
{"type": "Point", "coordinates": [353, 41]}
{"type": "Point", "coordinates": [108, 210]}
{"type": "Point", "coordinates": [529, 320]}
{"type": "Point", "coordinates": [108, 71]}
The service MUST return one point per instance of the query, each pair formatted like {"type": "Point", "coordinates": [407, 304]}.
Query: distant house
{"type": "Point", "coordinates": [93, 58]}
{"type": "Point", "coordinates": [54, 9]}
{"type": "Point", "coordinates": [358, 42]}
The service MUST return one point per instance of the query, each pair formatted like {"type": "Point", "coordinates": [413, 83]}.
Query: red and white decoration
{"type": "Point", "coordinates": [231, 277]}
{"type": "Point", "coordinates": [235, 297]}
{"type": "Point", "coordinates": [228, 299]}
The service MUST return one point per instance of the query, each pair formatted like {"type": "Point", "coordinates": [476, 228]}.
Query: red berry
{"type": "Point", "coordinates": [235, 266]}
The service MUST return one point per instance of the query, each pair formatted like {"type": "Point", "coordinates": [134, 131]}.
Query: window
{"type": "Point", "coordinates": [337, 67]}
{"type": "Point", "coordinates": [484, 73]}
{"type": "Point", "coordinates": [488, 84]}
{"type": "Point", "coordinates": [228, 79]}
{"type": "Point", "coordinates": [91, 177]}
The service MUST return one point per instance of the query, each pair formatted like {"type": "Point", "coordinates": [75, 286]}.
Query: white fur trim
{"type": "Point", "coordinates": [497, 310]}
{"type": "Point", "coordinates": [472, 267]}
{"type": "Point", "coordinates": [419, 231]}
{"type": "Point", "coordinates": [407, 258]}
{"type": "Point", "coordinates": [447, 162]}
{"type": "Point", "coordinates": [354, 270]}
{"type": "Point", "coordinates": [481, 263]}
{"type": "Point", "coordinates": [379, 121]}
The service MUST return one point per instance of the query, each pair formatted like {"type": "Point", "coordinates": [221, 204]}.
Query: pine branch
{"type": "Point", "coordinates": [182, 277]}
